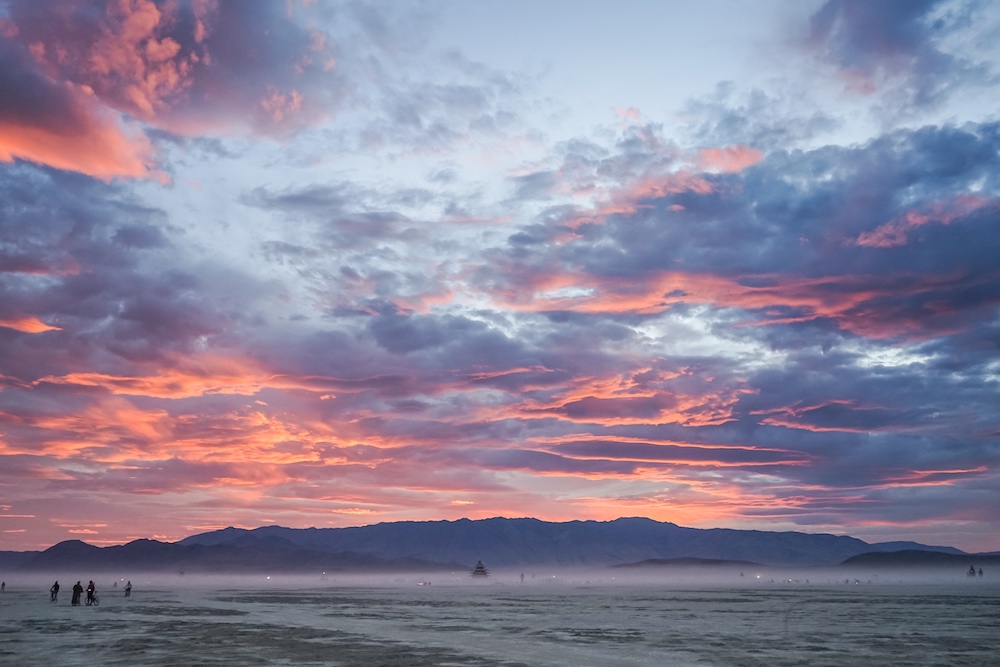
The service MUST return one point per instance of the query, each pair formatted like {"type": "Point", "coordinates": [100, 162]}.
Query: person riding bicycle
{"type": "Point", "coordinates": [128, 588]}
{"type": "Point", "coordinates": [91, 589]}
{"type": "Point", "coordinates": [54, 591]}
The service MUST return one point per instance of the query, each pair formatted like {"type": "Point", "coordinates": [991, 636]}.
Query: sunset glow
{"type": "Point", "coordinates": [328, 264]}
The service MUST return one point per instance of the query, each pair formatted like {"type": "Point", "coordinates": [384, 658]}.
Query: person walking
{"type": "Point", "coordinates": [77, 592]}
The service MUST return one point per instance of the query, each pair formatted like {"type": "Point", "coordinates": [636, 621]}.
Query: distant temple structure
{"type": "Point", "coordinates": [480, 570]}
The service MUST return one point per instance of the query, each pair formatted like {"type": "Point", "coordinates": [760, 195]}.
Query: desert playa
{"type": "Point", "coordinates": [561, 622]}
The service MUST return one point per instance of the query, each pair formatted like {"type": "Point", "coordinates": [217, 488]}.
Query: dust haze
{"type": "Point", "coordinates": [750, 616]}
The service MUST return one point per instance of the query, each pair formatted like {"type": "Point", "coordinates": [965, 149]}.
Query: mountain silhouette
{"type": "Point", "coordinates": [456, 545]}
{"type": "Point", "coordinates": [501, 542]}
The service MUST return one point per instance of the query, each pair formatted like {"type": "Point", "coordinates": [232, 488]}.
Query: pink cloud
{"type": "Point", "coordinates": [631, 198]}
{"type": "Point", "coordinates": [127, 52]}
{"type": "Point", "coordinates": [629, 117]}
{"type": "Point", "coordinates": [674, 172]}
{"type": "Point", "coordinates": [896, 232]}
{"type": "Point", "coordinates": [78, 74]}
{"type": "Point", "coordinates": [64, 125]}
{"type": "Point", "coordinates": [851, 301]}
{"type": "Point", "coordinates": [280, 106]}
{"type": "Point", "coordinates": [729, 159]}
{"type": "Point", "coordinates": [132, 64]}
{"type": "Point", "coordinates": [934, 477]}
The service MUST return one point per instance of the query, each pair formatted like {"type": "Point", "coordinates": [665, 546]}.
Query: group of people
{"type": "Point", "coordinates": [78, 591]}
{"type": "Point", "coordinates": [91, 592]}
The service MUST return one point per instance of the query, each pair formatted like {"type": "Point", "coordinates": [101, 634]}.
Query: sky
{"type": "Point", "coordinates": [723, 264]}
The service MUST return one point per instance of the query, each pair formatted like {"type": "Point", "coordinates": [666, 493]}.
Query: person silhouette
{"type": "Point", "coordinates": [54, 592]}
{"type": "Point", "coordinates": [91, 589]}
{"type": "Point", "coordinates": [77, 592]}
{"type": "Point", "coordinates": [128, 589]}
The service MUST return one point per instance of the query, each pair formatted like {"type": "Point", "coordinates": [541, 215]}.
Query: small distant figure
{"type": "Point", "coordinates": [522, 577]}
{"type": "Point", "coordinates": [972, 571]}
{"type": "Point", "coordinates": [77, 592]}
{"type": "Point", "coordinates": [3, 586]}
{"type": "Point", "coordinates": [980, 572]}
{"type": "Point", "coordinates": [128, 589]}
{"type": "Point", "coordinates": [54, 592]}
{"type": "Point", "coordinates": [91, 589]}
{"type": "Point", "coordinates": [116, 584]}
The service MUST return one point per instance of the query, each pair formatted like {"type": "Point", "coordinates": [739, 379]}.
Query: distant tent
{"type": "Point", "coordinates": [480, 570]}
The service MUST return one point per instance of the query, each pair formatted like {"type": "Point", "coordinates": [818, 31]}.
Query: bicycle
{"type": "Point", "coordinates": [95, 600]}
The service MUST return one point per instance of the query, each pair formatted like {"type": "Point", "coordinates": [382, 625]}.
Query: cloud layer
{"type": "Point", "coordinates": [283, 263]}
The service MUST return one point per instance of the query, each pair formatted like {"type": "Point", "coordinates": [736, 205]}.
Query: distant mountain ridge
{"type": "Point", "coordinates": [253, 555]}
{"type": "Point", "coordinates": [504, 542]}
{"type": "Point", "coordinates": [443, 545]}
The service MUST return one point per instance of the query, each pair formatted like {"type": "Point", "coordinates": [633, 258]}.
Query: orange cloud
{"type": "Point", "coordinates": [197, 376]}
{"type": "Point", "coordinates": [675, 453]}
{"type": "Point", "coordinates": [617, 400]}
{"type": "Point", "coordinates": [841, 298]}
{"type": "Point", "coordinates": [933, 477]}
{"type": "Point", "coordinates": [28, 324]}
{"type": "Point", "coordinates": [688, 501]}
{"type": "Point", "coordinates": [121, 429]}
{"type": "Point", "coordinates": [88, 142]}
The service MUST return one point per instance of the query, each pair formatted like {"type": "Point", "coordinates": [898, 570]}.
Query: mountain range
{"type": "Point", "coordinates": [456, 545]}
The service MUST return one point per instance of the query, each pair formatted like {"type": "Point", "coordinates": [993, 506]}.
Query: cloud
{"type": "Point", "coordinates": [188, 67]}
{"type": "Point", "coordinates": [894, 47]}
{"type": "Point", "coordinates": [102, 87]}
{"type": "Point", "coordinates": [746, 319]}
{"type": "Point", "coordinates": [679, 454]}
{"type": "Point", "coordinates": [27, 324]}
{"type": "Point", "coordinates": [78, 76]}
{"type": "Point", "coordinates": [765, 119]}
{"type": "Point", "coordinates": [780, 248]}
{"type": "Point", "coordinates": [896, 232]}
{"type": "Point", "coordinates": [64, 125]}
